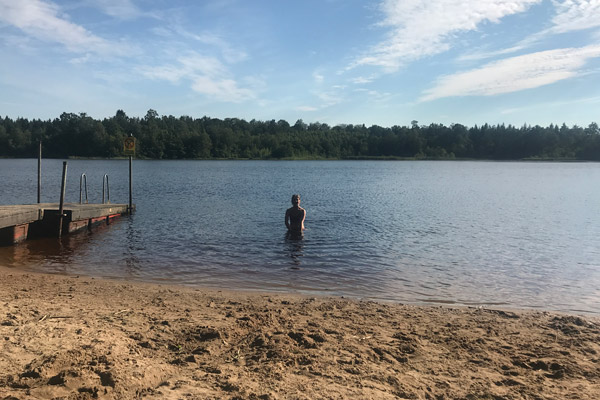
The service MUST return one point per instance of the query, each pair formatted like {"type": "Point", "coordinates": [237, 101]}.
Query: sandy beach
{"type": "Point", "coordinates": [70, 337]}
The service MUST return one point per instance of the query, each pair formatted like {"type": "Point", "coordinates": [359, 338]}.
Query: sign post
{"type": "Point", "coordinates": [129, 149]}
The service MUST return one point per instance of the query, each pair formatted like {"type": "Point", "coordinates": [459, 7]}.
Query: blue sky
{"type": "Point", "coordinates": [384, 62]}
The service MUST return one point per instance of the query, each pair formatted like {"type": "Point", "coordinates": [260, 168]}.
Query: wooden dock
{"type": "Point", "coordinates": [20, 222]}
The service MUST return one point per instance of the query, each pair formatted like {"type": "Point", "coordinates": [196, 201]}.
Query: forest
{"type": "Point", "coordinates": [169, 137]}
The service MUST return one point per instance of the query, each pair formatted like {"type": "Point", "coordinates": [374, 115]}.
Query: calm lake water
{"type": "Point", "coordinates": [468, 233]}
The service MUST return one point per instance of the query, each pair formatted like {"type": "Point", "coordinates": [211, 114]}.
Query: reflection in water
{"type": "Point", "coordinates": [15, 256]}
{"type": "Point", "coordinates": [294, 242]}
{"type": "Point", "coordinates": [52, 254]}
{"type": "Point", "coordinates": [131, 260]}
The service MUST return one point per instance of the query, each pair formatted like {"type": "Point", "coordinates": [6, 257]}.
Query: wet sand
{"type": "Point", "coordinates": [73, 337]}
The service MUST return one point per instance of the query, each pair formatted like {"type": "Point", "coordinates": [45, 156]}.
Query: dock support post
{"type": "Point", "coordinates": [62, 199]}
{"type": "Point", "coordinates": [39, 197]}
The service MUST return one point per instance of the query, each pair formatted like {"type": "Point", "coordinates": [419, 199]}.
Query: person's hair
{"type": "Point", "coordinates": [295, 196]}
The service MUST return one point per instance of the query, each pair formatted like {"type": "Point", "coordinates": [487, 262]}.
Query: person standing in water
{"type": "Point", "coordinates": [295, 215]}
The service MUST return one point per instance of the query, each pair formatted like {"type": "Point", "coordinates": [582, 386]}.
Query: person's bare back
{"type": "Point", "coordinates": [295, 215]}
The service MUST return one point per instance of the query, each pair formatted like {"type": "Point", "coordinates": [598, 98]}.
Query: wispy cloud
{"type": "Point", "coordinates": [482, 55]}
{"type": "Point", "coordinates": [514, 74]}
{"type": "Point", "coordinates": [420, 28]}
{"type": "Point", "coordinates": [318, 77]}
{"type": "Point", "coordinates": [203, 59]}
{"type": "Point", "coordinates": [221, 89]}
{"type": "Point", "coordinates": [207, 75]}
{"type": "Point", "coordinates": [325, 98]}
{"type": "Point", "coordinates": [307, 108]}
{"type": "Point", "coordinates": [545, 105]}
{"type": "Point", "coordinates": [374, 95]}
{"type": "Point", "coordinates": [570, 15]}
{"type": "Point", "coordinates": [362, 80]}
{"type": "Point", "coordinates": [573, 15]}
{"type": "Point", "coordinates": [44, 21]}
{"type": "Point", "coordinates": [228, 52]}
{"type": "Point", "coordinates": [330, 98]}
{"type": "Point", "coordinates": [121, 9]}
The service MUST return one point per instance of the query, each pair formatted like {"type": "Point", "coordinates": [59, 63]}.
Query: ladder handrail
{"type": "Point", "coordinates": [83, 179]}
{"type": "Point", "coordinates": [105, 179]}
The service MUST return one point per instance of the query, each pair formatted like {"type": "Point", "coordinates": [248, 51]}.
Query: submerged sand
{"type": "Point", "coordinates": [78, 338]}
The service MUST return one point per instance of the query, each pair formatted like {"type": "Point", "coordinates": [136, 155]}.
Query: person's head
{"type": "Point", "coordinates": [296, 199]}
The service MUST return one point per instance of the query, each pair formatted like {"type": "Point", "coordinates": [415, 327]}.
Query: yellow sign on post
{"type": "Point", "coordinates": [129, 146]}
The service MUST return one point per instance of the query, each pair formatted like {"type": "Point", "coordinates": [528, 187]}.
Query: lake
{"type": "Point", "coordinates": [501, 234]}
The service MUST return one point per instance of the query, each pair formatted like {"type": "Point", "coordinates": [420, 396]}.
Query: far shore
{"type": "Point", "coordinates": [354, 158]}
{"type": "Point", "coordinates": [78, 337]}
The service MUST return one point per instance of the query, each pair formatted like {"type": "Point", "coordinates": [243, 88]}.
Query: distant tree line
{"type": "Point", "coordinates": [169, 137]}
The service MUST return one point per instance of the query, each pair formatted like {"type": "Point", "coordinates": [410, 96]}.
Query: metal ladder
{"type": "Point", "coordinates": [83, 189]}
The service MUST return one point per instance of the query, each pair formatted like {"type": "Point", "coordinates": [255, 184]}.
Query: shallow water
{"type": "Point", "coordinates": [469, 233]}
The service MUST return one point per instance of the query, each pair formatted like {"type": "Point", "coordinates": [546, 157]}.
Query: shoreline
{"type": "Point", "coordinates": [28, 269]}
{"type": "Point", "coordinates": [353, 158]}
{"type": "Point", "coordinates": [85, 337]}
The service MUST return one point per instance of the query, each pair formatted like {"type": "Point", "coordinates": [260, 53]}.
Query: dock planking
{"type": "Point", "coordinates": [19, 222]}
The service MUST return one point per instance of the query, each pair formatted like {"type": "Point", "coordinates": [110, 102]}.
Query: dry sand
{"type": "Point", "coordinates": [76, 338]}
